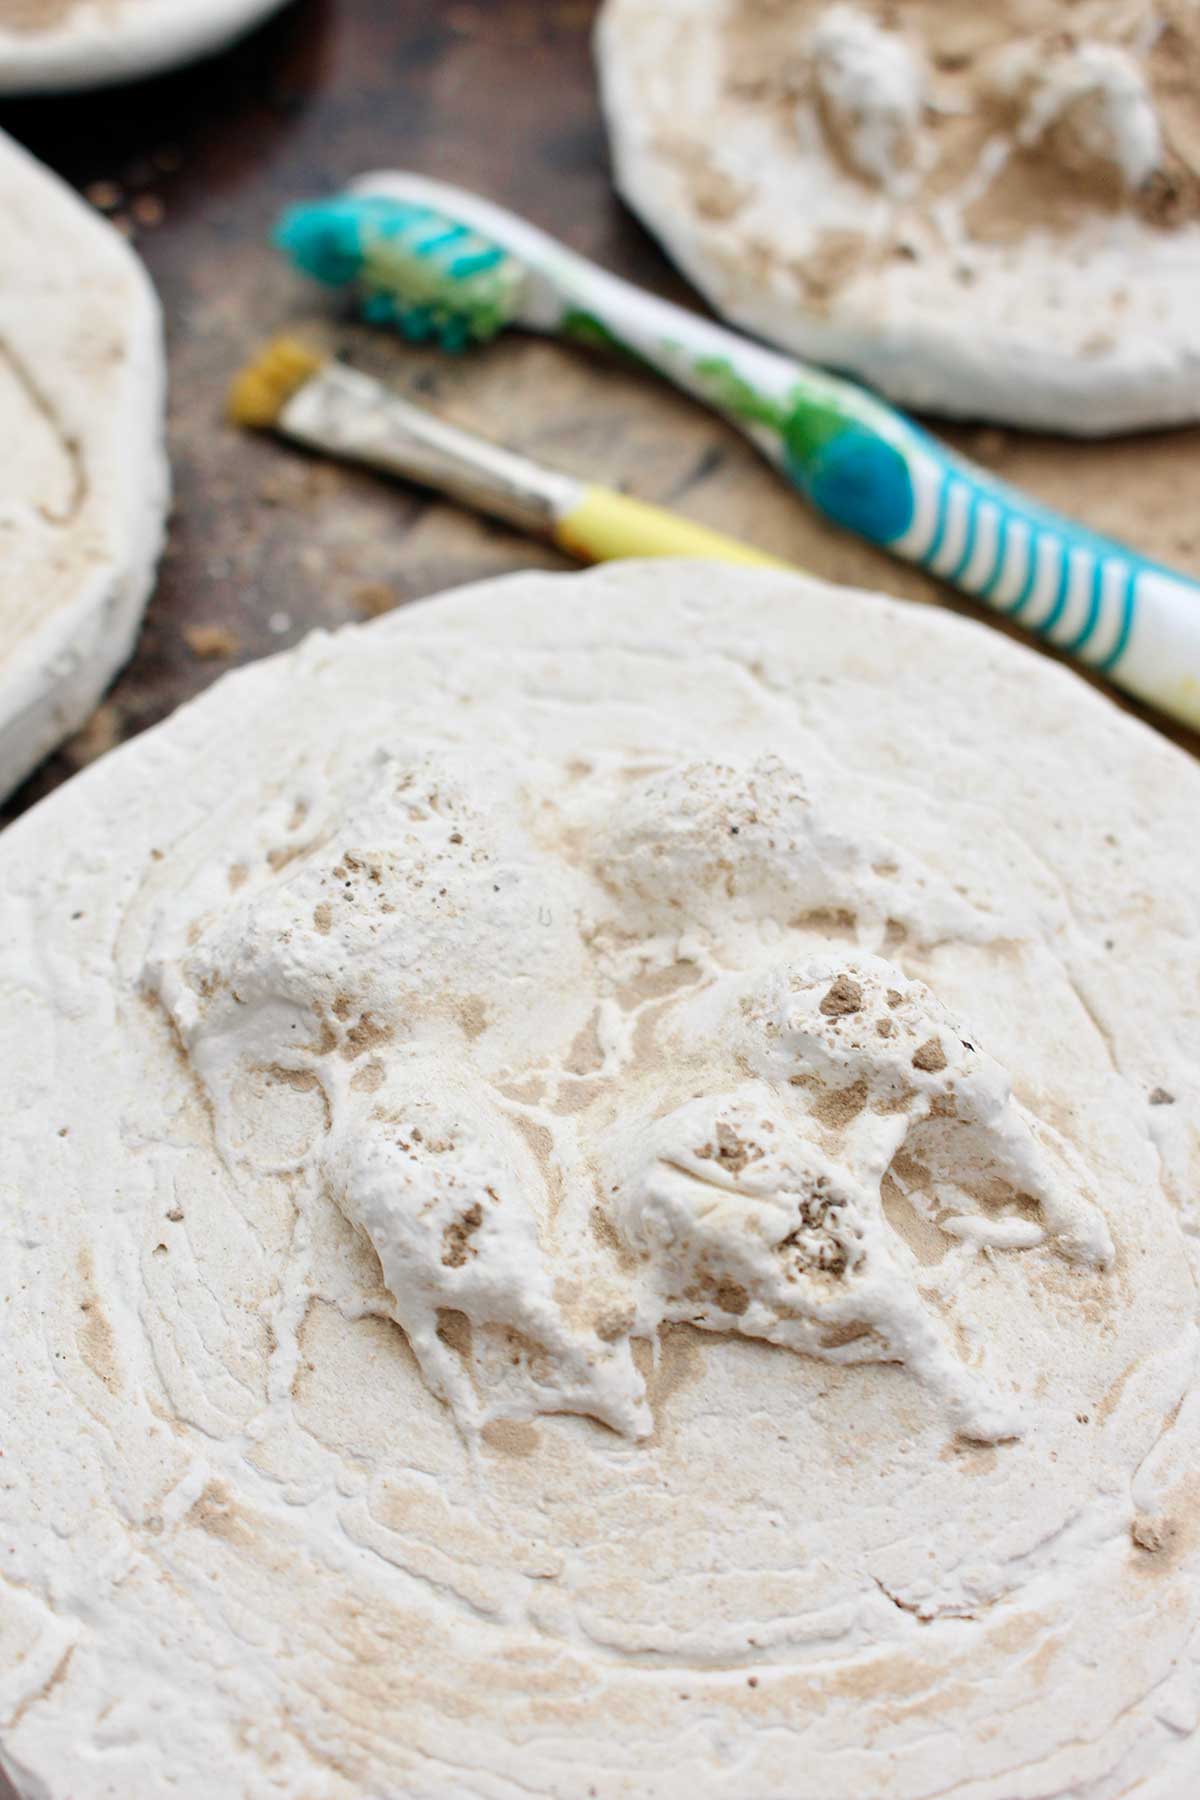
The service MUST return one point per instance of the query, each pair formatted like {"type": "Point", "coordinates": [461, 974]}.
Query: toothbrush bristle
{"type": "Point", "coordinates": [418, 271]}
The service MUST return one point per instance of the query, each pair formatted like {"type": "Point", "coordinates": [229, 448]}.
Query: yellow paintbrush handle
{"type": "Point", "coordinates": [604, 525]}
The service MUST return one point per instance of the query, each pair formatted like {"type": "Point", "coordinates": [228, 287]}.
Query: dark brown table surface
{"type": "Point", "coordinates": [498, 95]}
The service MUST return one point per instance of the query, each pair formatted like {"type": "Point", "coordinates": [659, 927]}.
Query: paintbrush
{"type": "Point", "coordinates": [321, 403]}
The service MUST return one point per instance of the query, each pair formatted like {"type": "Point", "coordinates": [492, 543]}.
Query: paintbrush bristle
{"type": "Point", "coordinates": [264, 387]}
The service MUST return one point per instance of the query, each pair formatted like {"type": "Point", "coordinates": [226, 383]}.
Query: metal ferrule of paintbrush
{"type": "Point", "coordinates": [343, 411]}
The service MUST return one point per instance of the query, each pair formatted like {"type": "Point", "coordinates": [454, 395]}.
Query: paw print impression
{"type": "Point", "coordinates": [458, 1205]}
{"type": "Point", "coordinates": [720, 847]}
{"type": "Point", "coordinates": [640, 1066]}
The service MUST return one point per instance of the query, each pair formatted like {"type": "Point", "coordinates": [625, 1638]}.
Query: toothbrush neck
{"type": "Point", "coordinates": [603, 308]}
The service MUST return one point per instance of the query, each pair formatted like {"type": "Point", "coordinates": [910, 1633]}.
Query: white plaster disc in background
{"type": "Point", "coordinates": [598, 1197]}
{"type": "Point", "coordinates": [49, 46]}
{"type": "Point", "coordinates": [83, 472]}
{"type": "Point", "coordinates": [986, 211]}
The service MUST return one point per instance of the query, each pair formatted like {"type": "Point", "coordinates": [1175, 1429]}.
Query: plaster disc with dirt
{"type": "Point", "coordinates": [51, 46]}
{"type": "Point", "coordinates": [83, 472]}
{"type": "Point", "coordinates": [986, 212]}
{"type": "Point", "coordinates": [599, 1188]}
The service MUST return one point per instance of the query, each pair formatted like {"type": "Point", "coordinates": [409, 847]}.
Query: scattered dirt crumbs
{"type": "Point", "coordinates": [729, 1150]}
{"type": "Point", "coordinates": [456, 1244]}
{"type": "Point", "coordinates": [844, 996]}
{"type": "Point", "coordinates": [1151, 1535]}
{"type": "Point", "coordinates": [731, 1297]}
{"type": "Point", "coordinates": [375, 598]}
{"type": "Point", "coordinates": [209, 642]}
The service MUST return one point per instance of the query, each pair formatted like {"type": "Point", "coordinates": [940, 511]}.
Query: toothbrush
{"type": "Point", "coordinates": [322, 404]}
{"type": "Point", "coordinates": [438, 263]}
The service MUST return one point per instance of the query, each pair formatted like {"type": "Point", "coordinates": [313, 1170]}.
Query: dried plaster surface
{"type": "Point", "coordinates": [600, 1210]}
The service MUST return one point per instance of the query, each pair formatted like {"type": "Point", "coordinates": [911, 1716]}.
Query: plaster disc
{"type": "Point", "coordinates": [83, 473]}
{"type": "Point", "coordinates": [986, 212]}
{"type": "Point", "coordinates": [599, 1198]}
{"type": "Point", "coordinates": [50, 46]}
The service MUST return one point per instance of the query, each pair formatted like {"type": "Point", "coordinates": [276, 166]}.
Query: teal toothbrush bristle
{"type": "Point", "coordinates": [416, 270]}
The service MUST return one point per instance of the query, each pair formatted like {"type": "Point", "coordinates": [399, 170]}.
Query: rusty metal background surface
{"type": "Point", "coordinates": [498, 95]}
